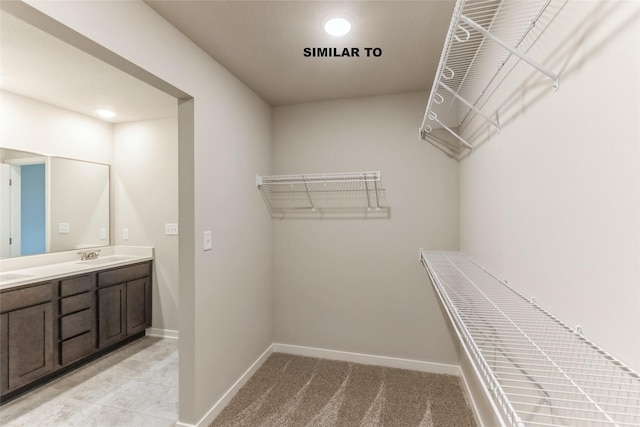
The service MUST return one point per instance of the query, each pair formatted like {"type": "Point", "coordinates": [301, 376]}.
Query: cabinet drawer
{"type": "Point", "coordinates": [25, 297]}
{"type": "Point", "coordinates": [76, 323]}
{"type": "Point", "coordinates": [76, 303]}
{"type": "Point", "coordinates": [76, 285]}
{"type": "Point", "coordinates": [77, 347]}
{"type": "Point", "coordinates": [124, 274]}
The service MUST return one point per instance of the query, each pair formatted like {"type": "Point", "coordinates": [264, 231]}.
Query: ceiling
{"type": "Point", "coordinates": [39, 66]}
{"type": "Point", "coordinates": [260, 42]}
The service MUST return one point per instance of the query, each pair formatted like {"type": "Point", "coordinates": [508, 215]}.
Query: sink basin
{"type": "Point", "coordinates": [105, 260]}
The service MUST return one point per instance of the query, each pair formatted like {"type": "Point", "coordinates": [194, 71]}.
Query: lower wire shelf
{"type": "Point", "coordinates": [537, 370]}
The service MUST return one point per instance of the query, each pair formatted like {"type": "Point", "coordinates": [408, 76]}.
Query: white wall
{"type": "Point", "coordinates": [357, 284]}
{"type": "Point", "coordinates": [30, 125]}
{"type": "Point", "coordinates": [552, 204]}
{"type": "Point", "coordinates": [225, 294]}
{"type": "Point", "coordinates": [145, 194]}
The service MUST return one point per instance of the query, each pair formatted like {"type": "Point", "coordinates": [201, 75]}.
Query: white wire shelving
{"type": "Point", "coordinates": [536, 370]}
{"type": "Point", "coordinates": [485, 40]}
{"type": "Point", "coordinates": [328, 194]}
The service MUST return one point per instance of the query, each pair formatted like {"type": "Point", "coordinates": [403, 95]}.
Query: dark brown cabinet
{"type": "Point", "coordinates": [138, 305]}
{"type": "Point", "coordinates": [124, 299]}
{"type": "Point", "coordinates": [112, 317]}
{"type": "Point", "coordinates": [49, 328]}
{"type": "Point", "coordinates": [30, 344]}
{"type": "Point", "coordinates": [27, 332]}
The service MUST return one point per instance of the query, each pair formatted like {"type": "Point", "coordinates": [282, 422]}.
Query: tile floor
{"type": "Point", "coordinates": [136, 385]}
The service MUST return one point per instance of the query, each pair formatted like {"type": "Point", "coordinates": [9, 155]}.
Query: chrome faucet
{"type": "Point", "coordinates": [89, 255]}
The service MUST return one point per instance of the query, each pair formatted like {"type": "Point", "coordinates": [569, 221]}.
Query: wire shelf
{"type": "Point", "coordinates": [486, 39]}
{"type": "Point", "coordinates": [537, 370]}
{"type": "Point", "coordinates": [349, 193]}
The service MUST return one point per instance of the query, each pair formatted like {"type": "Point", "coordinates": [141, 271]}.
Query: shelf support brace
{"type": "Point", "coordinates": [468, 104]}
{"type": "Point", "coordinates": [366, 190]}
{"type": "Point", "coordinates": [434, 117]}
{"type": "Point", "coordinates": [553, 76]}
{"type": "Point", "coordinates": [306, 187]}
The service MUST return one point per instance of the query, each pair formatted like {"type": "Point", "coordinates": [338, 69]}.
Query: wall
{"type": "Point", "coordinates": [357, 284]}
{"type": "Point", "coordinates": [225, 294]}
{"type": "Point", "coordinates": [145, 191]}
{"type": "Point", "coordinates": [59, 132]}
{"type": "Point", "coordinates": [552, 204]}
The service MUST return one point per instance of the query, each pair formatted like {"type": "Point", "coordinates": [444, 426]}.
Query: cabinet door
{"type": "Point", "coordinates": [30, 344]}
{"type": "Point", "coordinates": [138, 305]}
{"type": "Point", "coordinates": [4, 353]}
{"type": "Point", "coordinates": [112, 315]}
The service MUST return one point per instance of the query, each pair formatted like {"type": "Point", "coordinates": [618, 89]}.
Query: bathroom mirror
{"type": "Point", "coordinates": [51, 204]}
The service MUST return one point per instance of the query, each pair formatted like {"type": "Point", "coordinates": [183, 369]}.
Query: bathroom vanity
{"type": "Point", "coordinates": [56, 317]}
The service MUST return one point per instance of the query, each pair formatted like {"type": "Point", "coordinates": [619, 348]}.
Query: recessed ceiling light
{"type": "Point", "coordinates": [337, 27]}
{"type": "Point", "coordinates": [107, 114]}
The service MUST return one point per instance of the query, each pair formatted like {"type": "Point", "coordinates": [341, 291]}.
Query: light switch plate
{"type": "Point", "coordinates": [64, 228]}
{"type": "Point", "coordinates": [103, 233]}
{"type": "Point", "coordinates": [171, 229]}
{"type": "Point", "coordinates": [125, 234]}
{"type": "Point", "coordinates": [207, 241]}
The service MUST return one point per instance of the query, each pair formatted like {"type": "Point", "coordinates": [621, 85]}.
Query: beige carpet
{"type": "Point", "coordinates": [302, 391]}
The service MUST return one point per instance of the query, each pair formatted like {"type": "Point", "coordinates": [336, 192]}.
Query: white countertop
{"type": "Point", "coordinates": [40, 268]}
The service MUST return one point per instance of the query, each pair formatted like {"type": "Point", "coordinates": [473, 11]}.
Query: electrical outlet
{"type": "Point", "coordinates": [64, 228]}
{"type": "Point", "coordinates": [171, 229]}
{"type": "Point", "coordinates": [125, 234]}
{"type": "Point", "coordinates": [103, 233]}
{"type": "Point", "coordinates": [207, 241]}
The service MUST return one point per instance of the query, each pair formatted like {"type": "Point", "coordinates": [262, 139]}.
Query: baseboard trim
{"type": "Point", "coordinates": [368, 359]}
{"type": "Point", "coordinates": [161, 333]}
{"type": "Point", "coordinates": [226, 398]}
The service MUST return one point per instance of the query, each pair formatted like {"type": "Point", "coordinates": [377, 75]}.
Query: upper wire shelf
{"type": "Point", "coordinates": [486, 39]}
{"type": "Point", "coordinates": [536, 370]}
{"type": "Point", "coordinates": [309, 195]}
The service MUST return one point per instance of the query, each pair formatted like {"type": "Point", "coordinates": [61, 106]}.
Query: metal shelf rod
{"type": "Point", "coordinates": [497, 364]}
{"type": "Point", "coordinates": [539, 381]}
{"type": "Point", "coordinates": [566, 393]}
{"type": "Point", "coordinates": [434, 117]}
{"type": "Point", "coordinates": [560, 399]}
